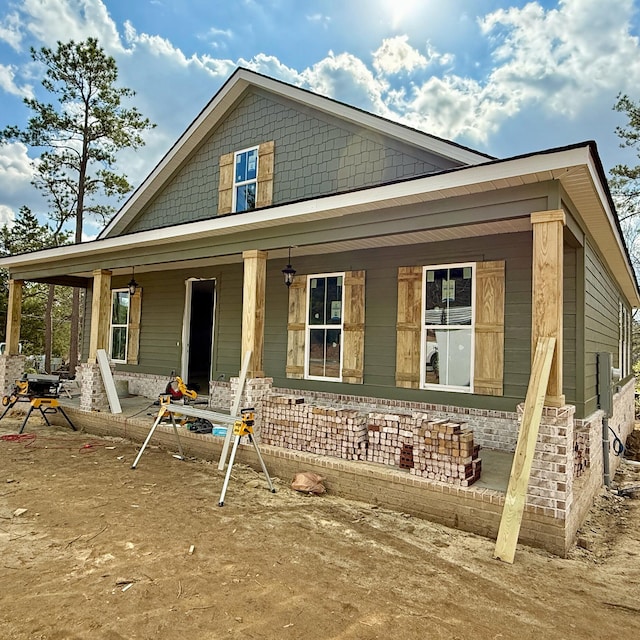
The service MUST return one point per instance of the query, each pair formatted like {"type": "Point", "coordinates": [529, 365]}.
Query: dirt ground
{"type": "Point", "coordinates": [93, 549]}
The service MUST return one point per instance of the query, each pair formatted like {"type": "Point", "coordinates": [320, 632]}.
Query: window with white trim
{"type": "Point", "coordinates": [624, 343]}
{"type": "Point", "coordinates": [324, 327]}
{"type": "Point", "coordinates": [448, 322]}
{"type": "Point", "coordinates": [119, 330]}
{"type": "Point", "coordinates": [245, 179]}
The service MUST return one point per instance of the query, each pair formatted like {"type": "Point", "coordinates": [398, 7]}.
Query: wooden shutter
{"type": "Point", "coordinates": [133, 338]}
{"type": "Point", "coordinates": [353, 328]}
{"type": "Point", "coordinates": [408, 327]}
{"type": "Point", "coordinates": [225, 186]}
{"type": "Point", "coordinates": [489, 329]}
{"type": "Point", "coordinates": [296, 327]}
{"type": "Point", "coordinates": [264, 196]}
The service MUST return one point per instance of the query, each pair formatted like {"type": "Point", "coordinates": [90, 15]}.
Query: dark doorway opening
{"type": "Point", "coordinates": [201, 334]}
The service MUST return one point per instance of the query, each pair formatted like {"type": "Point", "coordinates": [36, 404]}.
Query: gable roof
{"type": "Point", "coordinates": [225, 100]}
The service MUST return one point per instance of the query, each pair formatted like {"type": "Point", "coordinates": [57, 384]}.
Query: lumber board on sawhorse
{"type": "Point", "coordinates": [521, 468]}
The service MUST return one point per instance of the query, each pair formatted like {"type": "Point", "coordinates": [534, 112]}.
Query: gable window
{"type": "Point", "coordinates": [447, 329]}
{"type": "Point", "coordinates": [324, 326]}
{"type": "Point", "coordinates": [245, 179]}
{"type": "Point", "coordinates": [119, 325]}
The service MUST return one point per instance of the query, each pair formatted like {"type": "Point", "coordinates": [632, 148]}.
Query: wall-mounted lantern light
{"type": "Point", "coordinates": [288, 272]}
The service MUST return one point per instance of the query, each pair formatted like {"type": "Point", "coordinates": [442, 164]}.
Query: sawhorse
{"type": "Point", "coordinates": [51, 406]}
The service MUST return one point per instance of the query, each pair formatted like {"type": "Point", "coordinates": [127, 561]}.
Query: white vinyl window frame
{"type": "Point", "coordinates": [119, 325]}
{"type": "Point", "coordinates": [326, 326]}
{"type": "Point", "coordinates": [624, 341]}
{"type": "Point", "coordinates": [237, 184]}
{"type": "Point", "coordinates": [424, 384]}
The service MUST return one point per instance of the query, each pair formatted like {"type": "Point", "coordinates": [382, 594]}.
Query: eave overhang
{"type": "Point", "coordinates": [577, 168]}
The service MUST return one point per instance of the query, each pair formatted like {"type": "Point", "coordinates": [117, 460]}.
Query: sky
{"type": "Point", "coordinates": [500, 76]}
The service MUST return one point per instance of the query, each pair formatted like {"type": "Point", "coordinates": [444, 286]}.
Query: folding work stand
{"type": "Point", "coordinates": [241, 428]}
{"type": "Point", "coordinates": [27, 390]}
{"type": "Point", "coordinates": [170, 409]}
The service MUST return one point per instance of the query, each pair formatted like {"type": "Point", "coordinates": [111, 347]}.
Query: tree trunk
{"type": "Point", "coordinates": [74, 343]}
{"type": "Point", "coordinates": [48, 328]}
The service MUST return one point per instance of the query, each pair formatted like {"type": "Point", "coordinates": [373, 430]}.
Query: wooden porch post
{"type": "Point", "coordinates": [253, 302]}
{"type": "Point", "coordinates": [14, 316]}
{"type": "Point", "coordinates": [100, 313]}
{"type": "Point", "coordinates": [547, 293]}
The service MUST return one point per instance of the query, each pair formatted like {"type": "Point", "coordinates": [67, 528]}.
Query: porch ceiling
{"type": "Point", "coordinates": [575, 168]}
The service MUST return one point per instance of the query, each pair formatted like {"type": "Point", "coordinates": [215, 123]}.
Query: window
{"type": "Point", "coordinates": [450, 327]}
{"type": "Point", "coordinates": [324, 326]}
{"type": "Point", "coordinates": [245, 179]}
{"type": "Point", "coordinates": [448, 324]}
{"type": "Point", "coordinates": [119, 325]}
{"type": "Point", "coordinates": [624, 345]}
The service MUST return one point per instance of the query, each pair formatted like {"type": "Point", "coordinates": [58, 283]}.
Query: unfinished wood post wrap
{"type": "Point", "coordinates": [253, 302]}
{"type": "Point", "coordinates": [408, 327]}
{"type": "Point", "coordinates": [547, 292]}
{"type": "Point", "coordinates": [100, 313]}
{"type": "Point", "coordinates": [14, 316]}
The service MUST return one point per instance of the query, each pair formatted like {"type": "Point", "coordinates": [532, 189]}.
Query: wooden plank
{"type": "Point", "coordinates": [353, 325]}
{"type": "Point", "coordinates": [521, 468]}
{"type": "Point", "coordinates": [225, 185]}
{"type": "Point", "coordinates": [253, 304]}
{"type": "Point", "coordinates": [234, 409]}
{"type": "Point", "coordinates": [408, 327]}
{"type": "Point", "coordinates": [296, 326]}
{"type": "Point", "coordinates": [107, 379]}
{"type": "Point", "coordinates": [489, 328]}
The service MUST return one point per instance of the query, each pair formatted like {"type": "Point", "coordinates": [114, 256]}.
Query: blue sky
{"type": "Point", "coordinates": [504, 77]}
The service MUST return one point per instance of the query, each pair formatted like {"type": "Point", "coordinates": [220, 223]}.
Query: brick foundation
{"type": "Point", "coordinates": [11, 369]}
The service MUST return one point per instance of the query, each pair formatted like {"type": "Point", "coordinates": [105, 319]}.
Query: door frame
{"type": "Point", "coordinates": [186, 324]}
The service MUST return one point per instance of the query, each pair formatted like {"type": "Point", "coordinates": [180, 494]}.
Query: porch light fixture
{"type": "Point", "coordinates": [133, 285]}
{"type": "Point", "coordinates": [288, 272]}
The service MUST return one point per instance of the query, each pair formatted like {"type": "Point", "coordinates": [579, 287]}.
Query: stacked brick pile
{"type": "Point", "coordinates": [387, 435]}
{"type": "Point", "coordinates": [340, 433]}
{"type": "Point", "coordinates": [445, 451]}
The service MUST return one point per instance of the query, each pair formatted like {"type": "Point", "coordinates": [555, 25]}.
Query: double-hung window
{"type": "Point", "coordinates": [324, 326]}
{"type": "Point", "coordinates": [119, 332]}
{"type": "Point", "coordinates": [447, 359]}
{"type": "Point", "coordinates": [245, 179]}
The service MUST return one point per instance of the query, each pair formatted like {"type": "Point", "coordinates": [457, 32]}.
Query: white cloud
{"type": "Point", "coordinates": [11, 31]}
{"type": "Point", "coordinates": [7, 216]}
{"type": "Point", "coordinates": [50, 21]}
{"type": "Point", "coordinates": [396, 55]}
{"type": "Point", "coordinates": [15, 168]}
{"type": "Point", "coordinates": [319, 18]}
{"type": "Point", "coordinates": [345, 77]}
{"type": "Point", "coordinates": [8, 82]}
{"type": "Point", "coordinates": [563, 57]}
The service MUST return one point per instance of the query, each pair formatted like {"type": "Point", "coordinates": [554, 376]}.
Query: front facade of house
{"type": "Point", "coordinates": [425, 273]}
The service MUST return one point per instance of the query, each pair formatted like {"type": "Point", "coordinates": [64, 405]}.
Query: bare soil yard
{"type": "Point", "coordinates": [93, 549]}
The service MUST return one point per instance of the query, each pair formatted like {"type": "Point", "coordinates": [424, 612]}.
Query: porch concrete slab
{"type": "Point", "coordinates": [496, 468]}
